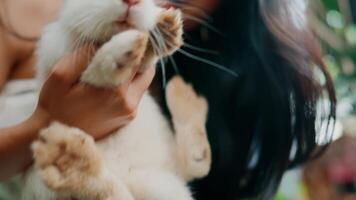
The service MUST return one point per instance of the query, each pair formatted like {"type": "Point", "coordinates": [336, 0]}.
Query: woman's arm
{"type": "Point", "coordinates": [63, 98]}
{"type": "Point", "coordinates": [15, 143]}
{"type": "Point", "coordinates": [4, 73]}
{"type": "Point", "coordinates": [4, 64]}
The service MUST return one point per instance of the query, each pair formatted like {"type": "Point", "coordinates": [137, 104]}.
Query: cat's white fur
{"type": "Point", "coordinates": [145, 159]}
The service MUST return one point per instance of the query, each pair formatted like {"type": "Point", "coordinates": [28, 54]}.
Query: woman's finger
{"type": "Point", "coordinates": [66, 72]}
{"type": "Point", "coordinates": [141, 82]}
{"type": "Point", "coordinates": [70, 68]}
{"type": "Point", "coordinates": [134, 72]}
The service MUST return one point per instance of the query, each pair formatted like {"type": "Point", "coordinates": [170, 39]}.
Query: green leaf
{"type": "Point", "coordinates": [350, 34]}
{"type": "Point", "coordinates": [335, 20]}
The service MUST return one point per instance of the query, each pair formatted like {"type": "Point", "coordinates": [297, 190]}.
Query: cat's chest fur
{"type": "Point", "coordinates": [147, 142]}
{"type": "Point", "coordinates": [144, 159]}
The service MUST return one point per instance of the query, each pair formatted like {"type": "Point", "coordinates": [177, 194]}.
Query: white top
{"type": "Point", "coordinates": [17, 101]}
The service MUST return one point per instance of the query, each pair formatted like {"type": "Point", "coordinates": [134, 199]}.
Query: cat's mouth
{"type": "Point", "coordinates": [124, 22]}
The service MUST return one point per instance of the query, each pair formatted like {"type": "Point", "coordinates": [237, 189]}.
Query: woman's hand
{"type": "Point", "coordinates": [63, 98]}
{"type": "Point", "coordinates": [97, 111]}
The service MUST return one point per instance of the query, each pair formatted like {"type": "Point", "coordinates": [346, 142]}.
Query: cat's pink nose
{"type": "Point", "coordinates": [131, 2]}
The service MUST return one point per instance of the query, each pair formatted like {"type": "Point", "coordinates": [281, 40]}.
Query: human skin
{"type": "Point", "coordinates": [26, 18]}
{"type": "Point", "coordinates": [62, 97]}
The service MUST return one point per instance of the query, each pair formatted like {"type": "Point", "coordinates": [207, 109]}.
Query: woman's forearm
{"type": "Point", "coordinates": [4, 73]}
{"type": "Point", "coordinates": [63, 98]}
{"type": "Point", "coordinates": [15, 142]}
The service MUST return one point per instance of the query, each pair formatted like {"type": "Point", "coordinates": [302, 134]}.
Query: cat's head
{"type": "Point", "coordinates": [100, 19]}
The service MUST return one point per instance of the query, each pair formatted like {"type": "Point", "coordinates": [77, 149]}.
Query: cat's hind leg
{"type": "Point", "coordinates": [70, 164]}
{"type": "Point", "coordinates": [189, 113]}
{"type": "Point", "coordinates": [157, 185]}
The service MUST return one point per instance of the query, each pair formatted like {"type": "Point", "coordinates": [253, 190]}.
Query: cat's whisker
{"type": "Point", "coordinates": [204, 23]}
{"type": "Point", "coordinates": [201, 13]}
{"type": "Point", "coordinates": [171, 59]}
{"type": "Point", "coordinates": [174, 64]}
{"type": "Point", "coordinates": [75, 46]}
{"type": "Point", "coordinates": [203, 60]}
{"type": "Point", "coordinates": [165, 42]}
{"type": "Point", "coordinates": [160, 54]}
{"type": "Point", "coordinates": [82, 20]}
{"type": "Point", "coordinates": [163, 47]}
{"type": "Point", "coordinates": [208, 62]}
{"type": "Point", "coordinates": [162, 64]}
{"type": "Point", "coordinates": [164, 78]}
{"type": "Point", "coordinates": [79, 42]}
{"type": "Point", "coordinates": [82, 39]}
{"type": "Point", "coordinates": [92, 44]}
{"type": "Point", "coordinates": [161, 40]}
{"type": "Point", "coordinates": [154, 45]}
{"type": "Point", "coordinates": [192, 47]}
{"type": "Point", "coordinates": [108, 32]}
{"type": "Point", "coordinates": [189, 7]}
{"type": "Point", "coordinates": [203, 20]}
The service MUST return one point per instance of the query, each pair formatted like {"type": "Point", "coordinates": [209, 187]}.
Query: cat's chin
{"type": "Point", "coordinates": [124, 25]}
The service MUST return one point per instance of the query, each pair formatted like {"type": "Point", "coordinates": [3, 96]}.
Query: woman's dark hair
{"type": "Point", "coordinates": [264, 121]}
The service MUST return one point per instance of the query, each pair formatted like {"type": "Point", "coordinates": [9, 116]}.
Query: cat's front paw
{"type": "Point", "coordinates": [170, 28]}
{"type": "Point", "coordinates": [66, 158]}
{"type": "Point", "coordinates": [115, 61]}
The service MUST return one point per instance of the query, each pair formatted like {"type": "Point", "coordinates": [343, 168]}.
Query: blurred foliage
{"type": "Point", "coordinates": [334, 23]}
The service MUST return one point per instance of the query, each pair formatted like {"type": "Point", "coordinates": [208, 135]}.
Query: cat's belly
{"type": "Point", "coordinates": [147, 142]}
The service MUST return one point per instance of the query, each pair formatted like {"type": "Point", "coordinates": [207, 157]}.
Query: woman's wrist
{"type": "Point", "coordinates": [15, 142]}
{"type": "Point", "coordinates": [39, 119]}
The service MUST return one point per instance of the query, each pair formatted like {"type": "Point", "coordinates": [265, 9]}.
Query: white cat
{"type": "Point", "coordinates": [145, 160]}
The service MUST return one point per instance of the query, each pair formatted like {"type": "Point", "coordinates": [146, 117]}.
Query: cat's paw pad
{"type": "Point", "coordinates": [170, 27]}
{"type": "Point", "coordinates": [132, 45]}
{"type": "Point", "coordinates": [66, 157]}
{"type": "Point", "coordinates": [115, 61]}
{"type": "Point", "coordinates": [184, 103]}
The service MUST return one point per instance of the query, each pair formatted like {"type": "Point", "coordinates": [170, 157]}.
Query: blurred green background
{"type": "Point", "coordinates": [334, 22]}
